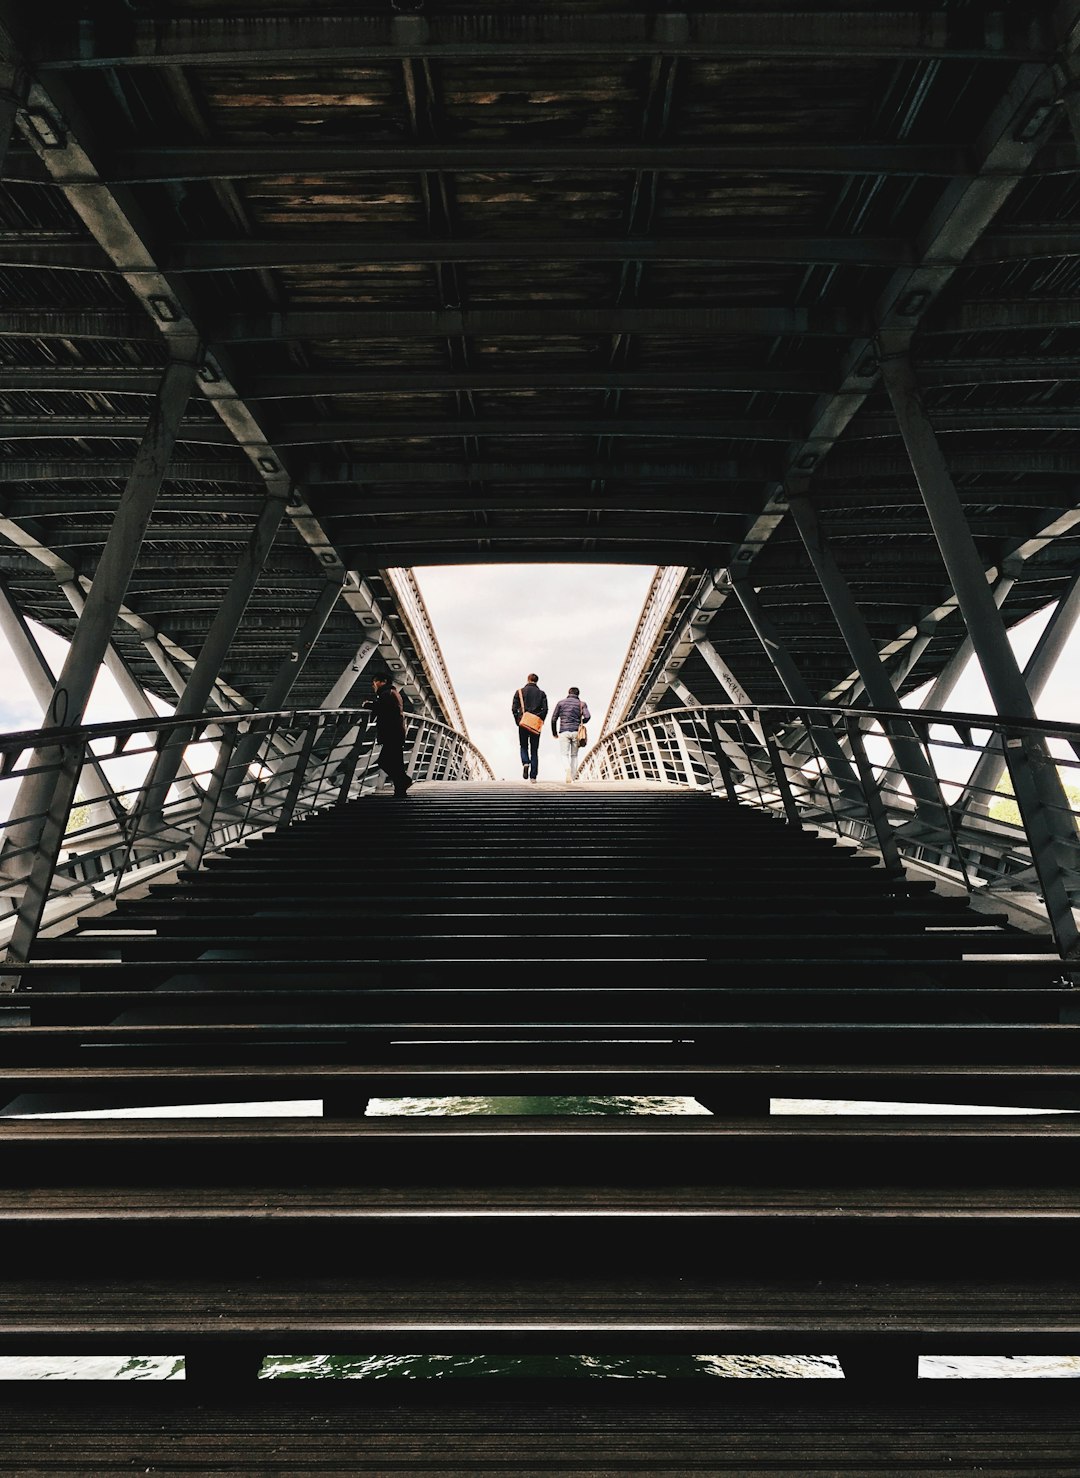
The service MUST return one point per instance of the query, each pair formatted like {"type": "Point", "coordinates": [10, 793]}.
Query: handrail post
{"type": "Point", "coordinates": [726, 771]}
{"type": "Point", "coordinates": [296, 780]}
{"type": "Point", "coordinates": [782, 784]}
{"type": "Point", "coordinates": [204, 822]}
{"type": "Point", "coordinates": [50, 839]}
{"type": "Point", "coordinates": [890, 853]}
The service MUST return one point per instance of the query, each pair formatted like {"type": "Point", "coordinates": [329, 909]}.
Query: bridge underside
{"type": "Point", "coordinates": [579, 284]}
{"type": "Point", "coordinates": [781, 302]}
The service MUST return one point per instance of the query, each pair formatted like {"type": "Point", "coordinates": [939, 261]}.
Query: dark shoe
{"type": "Point", "coordinates": [524, 772]}
{"type": "Point", "coordinates": [401, 795]}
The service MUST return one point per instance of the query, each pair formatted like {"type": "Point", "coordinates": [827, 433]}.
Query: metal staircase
{"type": "Point", "coordinates": [541, 942]}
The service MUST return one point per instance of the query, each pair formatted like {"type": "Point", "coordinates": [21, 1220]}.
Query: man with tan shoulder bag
{"type": "Point", "coordinates": [529, 708]}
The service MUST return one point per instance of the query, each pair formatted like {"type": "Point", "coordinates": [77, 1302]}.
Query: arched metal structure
{"type": "Point", "coordinates": [586, 283]}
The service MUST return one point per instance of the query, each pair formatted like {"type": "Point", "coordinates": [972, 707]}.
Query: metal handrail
{"type": "Point", "coordinates": [306, 760]}
{"type": "Point", "coordinates": [771, 757]}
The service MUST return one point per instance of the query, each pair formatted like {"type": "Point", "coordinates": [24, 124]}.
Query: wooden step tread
{"type": "Point", "coordinates": [401, 1130]}
{"type": "Point", "coordinates": [738, 1044]}
{"type": "Point", "coordinates": [439, 1311]}
{"type": "Point", "coordinates": [521, 1428]}
{"type": "Point", "coordinates": [936, 1082]}
{"type": "Point", "coordinates": [583, 1205]}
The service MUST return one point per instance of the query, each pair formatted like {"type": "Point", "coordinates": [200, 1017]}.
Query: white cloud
{"type": "Point", "coordinates": [570, 624]}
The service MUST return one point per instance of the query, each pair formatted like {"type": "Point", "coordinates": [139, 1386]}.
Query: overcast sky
{"type": "Point", "coordinates": [571, 624]}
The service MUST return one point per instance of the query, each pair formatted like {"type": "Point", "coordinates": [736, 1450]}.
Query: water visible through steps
{"type": "Point", "coordinates": [371, 1365]}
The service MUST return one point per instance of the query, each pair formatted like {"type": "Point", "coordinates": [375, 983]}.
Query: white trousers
{"type": "Point", "coordinates": [568, 748]}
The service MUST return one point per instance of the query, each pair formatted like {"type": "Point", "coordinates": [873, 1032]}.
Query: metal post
{"type": "Point", "coordinates": [218, 639]}
{"type": "Point", "coordinates": [204, 822]}
{"type": "Point", "coordinates": [334, 699]}
{"type": "Point", "coordinates": [44, 794]}
{"type": "Point", "coordinates": [299, 771]}
{"type": "Point", "coordinates": [130, 690]}
{"type": "Point", "coordinates": [12, 98]}
{"type": "Point", "coordinates": [281, 683]}
{"type": "Point", "coordinates": [731, 685]}
{"type": "Point", "coordinates": [890, 853]}
{"type": "Point", "coordinates": [910, 757]}
{"type": "Point", "coordinates": [984, 779]}
{"type": "Point", "coordinates": [1037, 786]}
{"type": "Point", "coordinates": [654, 749]}
{"type": "Point", "coordinates": [348, 769]}
{"type": "Point", "coordinates": [794, 683]}
{"type": "Point", "coordinates": [726, 769]}
{"type": "Point", "coordinates": [93, 782]}
{"type": "Point", "coordinates": [684, 752]}
{"type": "Point", "coordinates": [783, 785]}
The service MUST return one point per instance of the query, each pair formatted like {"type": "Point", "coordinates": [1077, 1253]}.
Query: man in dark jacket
{"type": "Point", "coordinates": [388, 711]}
{"type": "Point", "coordinates": [529, 699]}
{"type": "Point", "coordinates": [566, 718]}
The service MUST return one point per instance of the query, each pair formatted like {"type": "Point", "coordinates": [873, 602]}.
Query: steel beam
{"type": "Point", "coordinates": [102, 324]}
{"type": "Point", "coordinates": [12, 94]}
{"type": "Point", "coordinates": [116, 469]}
{"type": "Point", "coordinates": [281, 683]}
{"type": "Point", "coordinates": [346, 321]}
{"type": "Point", "coordinates": [1024, 368]}
{"type": "Point", "coordinates": [984, 779]}
{"type": "Point", "coordinates": [45, 797]}
{"type": "Point", "coordinates": [1037, 787]}
{"type": "Point", "coordinates": [963, 214]}
{"type": "Point", "coordinates": [115, 222]}
{"type": "Point", "coordinates": [793, 682]}
{"type": "Point", "coordinates": [93, 783]}
{"type": "Point", "coordinates": [329, 432]}
{"type": "Point", "coordinates": [131, 691]}
{"type": "Point", "coordinates": [204, 674]}
{"type": "Point", "coordinates": [910, 756]}
{"type": "Point", "coordinates": [167, 163]}
{"type": "Point", "coordinates": [222, 40]}
{"type": "Point", "coordinates": [728, 469]}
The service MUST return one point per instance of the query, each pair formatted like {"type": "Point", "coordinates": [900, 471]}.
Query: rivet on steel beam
{"type": "Point", "coordinates": [46, 128]}
{"type": "Point", "coordinates": [914, 303]}
{"type": "Point", "coordinates": [164, 308]}
{"type": "Point", "coordinates": [268, 464]}
{"type": "Point", "coordinates": [208, 374]}
{"type": "Point", "coordinates": [806, 461]}
{"type": "Point", "coordinates": [1033, 122]}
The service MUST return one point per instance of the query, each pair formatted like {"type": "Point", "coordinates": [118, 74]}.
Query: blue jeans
{"type": "Point", "coordinates": [530, 751]}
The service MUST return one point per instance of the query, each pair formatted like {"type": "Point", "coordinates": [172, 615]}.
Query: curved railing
{"type": "Point", "coordinates": [240, 773]}
{"type": "Point", "coordinates": [917, 786]}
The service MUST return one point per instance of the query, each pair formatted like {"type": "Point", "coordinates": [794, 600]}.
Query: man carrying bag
{"type": "Point", "coordinates": [529, 708]}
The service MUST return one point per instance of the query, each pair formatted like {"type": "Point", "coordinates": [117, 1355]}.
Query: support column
{"type": "Point", "coordinates": [282, 682]}
{"type": "Point", "coordinates": [940, 691]}
{"type": "Point", "coordinates": [794, 684]}
{"type": "Point", "coordinates": [334, 699]}
{"type": "Point", "coordinates": [45, 797]}
{"type": "Point", "coordinates": [908, 752]}
{"type": "Point", "coordinates": [130, 690]}
{"type": "Point", "coordinates": [991, 765]}
{"type": "Point", "coordinates": [1040, 797]}
{"type": "Point", "coordinates": [93, 783]}
{"type": "Point", "coordinates": [11, 100]}
{"type": "Point", "coordinates": [204, 674]}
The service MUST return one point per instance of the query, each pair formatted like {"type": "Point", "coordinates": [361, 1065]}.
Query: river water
{"type": "Point", "coordinates": [375, 1366]}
